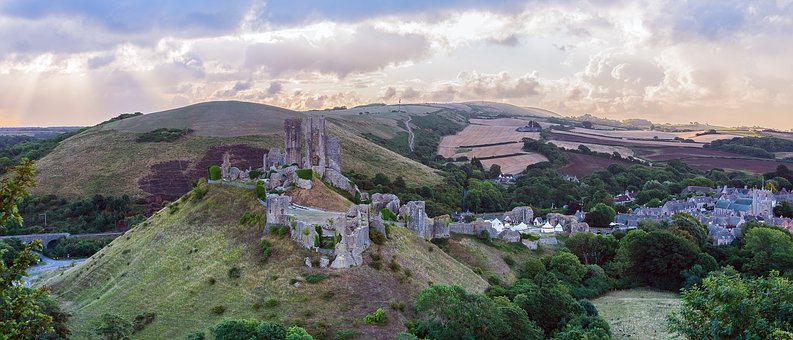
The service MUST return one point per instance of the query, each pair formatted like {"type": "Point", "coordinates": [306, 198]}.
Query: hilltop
{"type": "Point", "coordinates": [177, 264]}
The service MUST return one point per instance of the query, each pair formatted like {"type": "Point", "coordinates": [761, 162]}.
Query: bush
{"type": "Point", "coordinates": [235, 272]}
{"type": "Point", "coordinates": [297, 333]}
{"type": "Point", "coordinates": [280, 231]}
{"type": "Point", "coordinates": [388, 215]}
{"type": "Point", "coordinates": [162, 135]}
{"type": "Point", "coordinates": [377, 318]}
{"type": "Point", "coordinates": [142, 320]}
{"type": "Point", "coordinates": [112, 326]}
{"type": "Point", "coordinates": [346, 334]}
{"type": "Point", "coordinates": [266, 247]}
{"type": "Point", "coordinates": [270, 331]}
{"type": "Point", "coordinates": [271, 303]}
{"type": "Point", "coordinates": [254, 174]}
{"type": "Point", "coordinates": [315, 278]}
{"type": "Point", "coordinates": [509, 260]}
{"type": "Point", "coordinates": [397, 306]}
{"type": "Point", "coordinates": [235, 329]}
{"type": "Point", "coordinates": [214, 173]}
{"type": "Point", "coordinates": [200, 335]}
{"type": "Point", "coordinates": [249, 218]}
{"type": "Point", "coordinates": [218, 309]}
{"type": "Point", "coordinates": [200, 190]}
{"type": "Point", "coordinates": [307, 174]}
{"type": "Point", "coordinates": [261, 192]}
{"type": "Point", "coordinates": [376, 236]}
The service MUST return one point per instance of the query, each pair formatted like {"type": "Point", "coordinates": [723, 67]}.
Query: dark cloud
{"type": "Point", "coordinates": [274, 88]}
{"type": "Point", "coordinates": [365, 50]}
{"type": "Point", "coordinates": [389, 94]}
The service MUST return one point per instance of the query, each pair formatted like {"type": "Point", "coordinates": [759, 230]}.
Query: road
{"type": "Point", "coordinates": [410, 132]}
{"type": "Point", "coordinates": [48, 266]}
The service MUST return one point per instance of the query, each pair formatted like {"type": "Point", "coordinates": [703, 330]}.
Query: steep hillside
{"type": "Point", "coordinates": [216, 119]}
{"type": "Point", "coordinates": [320, 197]}
{"type": "Point", "coordinates": [107, 159]}
{"type": "Point", "coordinates": [177, 265]}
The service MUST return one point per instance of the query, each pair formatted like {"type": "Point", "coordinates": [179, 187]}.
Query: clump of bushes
{"type": "Point", "coordinates": [315, 278]}
{"type": "Point", "coordinates": [304, 173]}
{"type": "Point", "coordinates": [162, 135]}
{"type": "Point", "coordinates": [142, 320]}
{"type": "Point", "coordinates": [376, 236]}
{"type": "Point", "coordinates": [377, 260]}
{"type": "Point", "coordinates": [218, 309]}
{"type": "Point", "coordinates": [394, 266]}
{"type": "Point", "coordinates": [249, 218]}
{"type": "Point", "coordinates": [266, 247]}
{"type": "Point", "coordinates": [62, 248]}
{"type": "Point", "coordinates": [261, 192]}
{"type": "Point", "coordinates": [271, 303]}
{"type": "Point", "coordinates": [377, 318]}
{"type": "Point", "coordinates": [388, 215]}
{"type": "Point", "coordinates": [509, 260]}
{"type": "Point", "coordinates": [214, 173]}
{"type": "Point", "coordinates": [200, 335]}
{"type": "Point", "coordinates": [200, 189]}
{"type": "Point", "coordinates": [235, 273]}
{"type": "Point", "coordinates": [279, 231]}
{"type": "Point", "coordinates": [248, 329]}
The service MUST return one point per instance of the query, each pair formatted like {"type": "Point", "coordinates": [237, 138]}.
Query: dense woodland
{"type": "Point", "coordinates": [762, 147]}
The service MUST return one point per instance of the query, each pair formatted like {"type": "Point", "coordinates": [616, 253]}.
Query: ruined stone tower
{"type": "Point", "coordinates": [292, 141]}
{"type": "Point", "coordinates": [333, 151]}
{"type": "Point", "coordinates": [314, 135]}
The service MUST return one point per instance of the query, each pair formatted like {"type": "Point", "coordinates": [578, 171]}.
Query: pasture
{"type": "Point", "coordinates": [514, 164]}
{"type": "Point", "coordinates": [637, 313]}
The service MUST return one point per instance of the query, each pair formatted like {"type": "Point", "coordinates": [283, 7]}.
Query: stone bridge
{"type": "Point", "coordinates": [46, 239]}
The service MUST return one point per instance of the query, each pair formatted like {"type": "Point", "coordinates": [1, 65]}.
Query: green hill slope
{"type": "Point", "coordinates": [177, 265]}
{"type": "Point", "coordinates": [215, 119]}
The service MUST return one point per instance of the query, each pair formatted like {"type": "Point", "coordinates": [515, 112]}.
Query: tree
{"type": "Point", "coordinates": [657, 258]}
{"type": "Point", "coordinates": [591, 248]}
{"type": "Point", "coordinates": [214, 173]}
{"type": "Point", "coordinates": [297, 333]}
{"type": "Point", "coordinates": [566, 267]}
{"type": "Point", "coordinates": [21, 314]}
{"type": "Point", "coordinates": [729, 306]}
{"type": "Point", "coordinates": [546, 302]}
{"type": "Point", "coordinates": [784, 209]}
{"type": "Point", "coordinates": [600, 216]}
{"type": "Point", "coordinates": [381, 179]}
{"type": "Point", "coordinates": [113, 327]}
{"type": "Point", "coordinates": [770, 249]}
{"type": "Point", "coordinates": [495, 171]}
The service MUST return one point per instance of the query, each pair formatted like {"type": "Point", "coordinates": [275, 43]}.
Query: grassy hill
{"type": "Point", "coordinates": [215, 119]}
{"type": "Point", "coordinates": [177, 265]}
{"type": "Point", "coordinates": [107, 159]}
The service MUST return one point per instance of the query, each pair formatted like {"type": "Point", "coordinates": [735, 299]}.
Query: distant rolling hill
{"type": "Point", "coordinates": [107, 159]}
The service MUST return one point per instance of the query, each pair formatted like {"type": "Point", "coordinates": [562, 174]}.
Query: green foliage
{"type": "Point", "coordinates": [13, 190]}
{"type": "Point", "coordinates": [17, 149]}
{"type": "Point", "coordinates": [199, 335]}
{"type": "Point", "coordinates": [566, 267]}
{"type": "Point", "coordinates": [297, 333]}
{"type": "Point", "coordinates": [72, 247]}
{"type": "Point", "coordinates": [142, 320]}
{"type": "Point", "coordinates": [769, 249]}
{"type": "Point", "coordinates": [388, 215]}
{"type": "Point", "coordinates": [378, 318]}
{"type": "Point", "coordinates": [600, 216]}
{"type": "Point", "coordinates": [250, 218]}
{"type": "Point", "coordinates": [449, 312]}
{"type": "Point", "coordinates": [113, 327]}
{"type": "Point", "coordinates": [162, 135]}
{"type": "Point", "coordinates": [762, 147]}
{"type": "Point", "coordinates": [376, 236]}
{"type": "Point", "coordinates": [254, 174]}
{"type": "Point", "coordinates": [784, 209]}
{"type": "Point", "coordinates": [218, 309]}
{"type": "Point", "coordinates": [485, 196]}
{"type": "Point", "coordinates": [658, 257]}
{"type": "Point", "coordinates": [315, 278]}
{"type": "Point", "coordinates": [554, 154]}
{"type": "Point", "coordinates": [261, 192]}
{"type": "Point", "coordinates": [346, 334]}
{"type": "Point", "coordinates": [728, 306]}
{"type": "Point", "coordinates": [546, 301]}
{"type": "Point", "coordinates": [200, 189]}
{"type": "Point", "coordinates": [306, 174]}
{"type": "Point", "coordinates": [235, 273]}
{"type": "Point", "coordinates": [215, 173]}
{"type": "Point", "coordinates": [270, 331]}
{"type": "Point", "coordinates": [530, 268]}
{"type": "Point", "coordinates": [266, 247]}
{"type": "Point", "coordinates": [235, 329]}
{"type": "Point", "coordinates": [281, 231]}
{"type": "Point", "coordinates": [509, 260]}
{"type": "Point", "coordinates": [591, 248]}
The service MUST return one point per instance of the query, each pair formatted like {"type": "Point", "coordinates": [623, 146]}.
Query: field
{"type": "Point", "coordinates": [177, 264]}
{"type": "Point", "coordinates": [514, 164]}
{"type": "Point", "coordinates": [652, 135]}
{"type": "Point", "coordinates": [603, 139]}
{"type": "Point", "coordinates": [581, 165]}
{"type": "Point", "coordinates": [623, 151]}
{"type": "Point", "coordinates": [637, 313]}
{"type": "Point", "coordinates": [485, 132]}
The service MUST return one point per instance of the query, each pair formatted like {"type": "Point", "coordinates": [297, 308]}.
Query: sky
{"type": "Point", "coordinates": [80, 62]}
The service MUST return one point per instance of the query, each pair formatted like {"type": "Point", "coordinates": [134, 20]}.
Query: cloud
{"type": "Point", "coordinates": [365, 49]}
{"type": "Point", "coordinates": [274, 88]}
{"type": "Point", "coordinates": [389, 94]}
{"type": "Point", "coordinates": [501, 86]}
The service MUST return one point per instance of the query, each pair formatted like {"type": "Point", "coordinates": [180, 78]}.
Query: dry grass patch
{"type": "Point", "coordinates": [637, 313]}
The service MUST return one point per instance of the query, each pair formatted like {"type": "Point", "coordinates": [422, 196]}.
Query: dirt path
{"type": "Point", "coordinates": [410, 132]}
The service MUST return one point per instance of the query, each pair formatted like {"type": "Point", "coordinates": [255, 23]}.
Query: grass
{"type": "Point", "coordinates": [156, 268]}
{"type": "Point", "coordinates": [637, 313]}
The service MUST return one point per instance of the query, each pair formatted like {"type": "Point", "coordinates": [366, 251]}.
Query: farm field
{"type": "Point", "coordinates": [514, 164]}
{"type": "Point", "coordinates": [492, 151]}
{"type": "Point", "coordinates": [637, 313]}
{"type": "Point", "coordinates": [756, 166]}
{"type": "Point", "coordinates": [581, 165]}
{"type": "Point", "coordinates": [474, 135]}
{"type": "Point", "coordinates": [598, 139]}
{"type": "Point", "coordinates": [623, 151]}
{"type": "Point", "coordinates": [662, 135]}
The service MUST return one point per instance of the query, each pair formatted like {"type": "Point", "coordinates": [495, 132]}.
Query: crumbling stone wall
{"type": "Point", "coordinates": [413, 213]}
{"type": "Point", "coordinates": [569, 223]}
{"type": "Point", "coordinates": [521, 215]}
{"type": "Point", "coordinates": [314, 135]}
{"type": "Point", "coordinates": [333, 151]}
{"type": "Point", "coordinates": [382, 201]}
{"type": "Point", "coordinates": [292, 141]}
{"type": "Point", "coordinates": [354, 231]}
{"type": "Point", "coordinates": [277, 208]}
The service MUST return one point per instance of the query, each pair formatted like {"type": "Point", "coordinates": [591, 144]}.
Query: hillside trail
{"type": "Point", "coordinates": [410, 132]}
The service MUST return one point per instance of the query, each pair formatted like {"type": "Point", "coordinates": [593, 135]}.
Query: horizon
{"type": "Point", "coordinates": [720, 63]}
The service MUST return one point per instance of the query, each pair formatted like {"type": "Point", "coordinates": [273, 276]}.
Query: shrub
{"type": "Point", "coordinates": [218, 309]}
{"type": "Point", "coordinates": [394, 266]}
{"type": "Point", "coordinates": [346, 334]}
{"type": "Point", "coordinates": [304, 173]}
{"type": "Point", "coordinates": [249, 218]}
{"type": "Point", "coordinates": [397, 306]}
{"type": "Point", "coordinates": [509, 260]}
{"type": "Point", "coordinates": [200, 190]}
{"type": "Point", "coordinates": [266, 247]}
{"type": "Point", "coordinates": [297, 333]}
{"type": "Point", "coordinates": [377, 318]}
{"type": "Point", "coordinates": [270, 331]}
{"type": "Point", "coordinates": [261, 192]}
{"type": "Point", "coordinates": [254, 174]}
{"type": "Point", "coordinates": [211, 280]}
{"type": "Point", "coordinates": [388, 215]}
{"type": "Point", "coordinates": [200, 335]}
{"type": "Point", "coordinates": [214, 173]}
{"type": "Point", "coordinates": [162, 135]}
{"type": "Point", "coordinates": [235, 272]}
{"type": "Point", "coordinates": [376, 236]}
{"type": "Point", "coordinates": [235, 329]}
{"type": "Point", "coordinates": [271, 303]}
{"type": "Point", "coordinates": [477, 270]}
{"type": "Point", "coordinates": [112, 326]}
{"type": "Point", "coordinates": [142, 320]}
{"type": "Point", "coordinates": [315, 278]}
{"type": "Point", "coordinates": [280, 231]}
